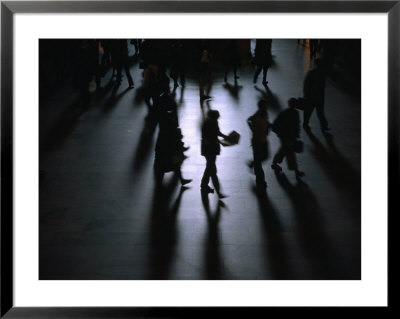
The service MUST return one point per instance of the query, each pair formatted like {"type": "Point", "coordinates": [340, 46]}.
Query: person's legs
{"type": "Point", "coordinates": [291, 156]}
{"type": "Point", "coordinates": [308, 109]}
{"type": "Point", "coordinates": [128, 75]}
{"type": "Point", "coordinates": [226, 74]}
{"type": "Point", "coordinates": [158, 175]}
{"type": "Point", "coordinates": [265, 71]}
{"type": "Point", "coordinates": [209, 83]}
{"type": "Point", "coordinates": [206, 175]}
{"type": "Point", "coordinates": [119, 74]}
{"type": "Point", "coordinates": [202, 84]}
{"type": "Point", "coordinates": [321, 116]}
{"type": "Point", "coordinates": [258, 170]}
{"type": "Point", "coordinates": [257, 73]}
{"type": "Point", "coordinates": [235, 73]}
{"type": "Point", "coordinates": [182, 75]}
{"type": "Point", "coordinates": [183, 181]}
{"type": "Point", "coordinates": [213, 173]}
{"type": "Point", "coordinates": [278, 158]}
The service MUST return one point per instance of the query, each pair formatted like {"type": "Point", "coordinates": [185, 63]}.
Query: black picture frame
{"type": "Point", "coordinates": [9, 8]}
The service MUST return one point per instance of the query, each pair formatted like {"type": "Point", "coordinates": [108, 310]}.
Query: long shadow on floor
{"type": "Point", "coordinates": [113, 99]}
{"type": "Point", "coordinates": [268, 96]}
{"type": "Point", "coordinates": [64, 125]}
{"type": "Point", "coordinates": [311, 233]}
{"type": "Point", "coordinates": [67, 120]}
{"type": "Point", "coordinates": [275, 253]}
{"type": "Point", "coordinates": [343, 175]}
{"type": "Point", "coordinates": [144, 145]}
{"type": "Point", "coordinates": [214, 267]}
{"type": "Point", "coordinates": [233, 89]}
{"type": "Point", "coordinates": [164, 233]}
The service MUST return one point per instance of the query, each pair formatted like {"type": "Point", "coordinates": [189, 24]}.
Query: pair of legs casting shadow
{"type": "Point", "coordinates": [312, 237]}
{"type": "Point", "coordinates": [164, 233]}
{"type": "Point", "coordinates": [210, 172]}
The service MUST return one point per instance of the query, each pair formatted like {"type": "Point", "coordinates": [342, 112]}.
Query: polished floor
{"type": "Point", "coordinates": [101, 217]}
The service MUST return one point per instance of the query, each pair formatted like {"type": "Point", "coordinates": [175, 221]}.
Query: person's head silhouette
{"type": "Point", "coordinates": [213, 114]}
{"type": "Point", "coordinates": [292, 103]}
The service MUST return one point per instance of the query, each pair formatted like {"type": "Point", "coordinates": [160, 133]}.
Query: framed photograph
{"type": "Point", "coordinates": [177, 158]}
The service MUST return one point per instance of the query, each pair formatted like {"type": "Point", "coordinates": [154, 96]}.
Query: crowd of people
{"type": "Point", "coordinates": [160, 68]}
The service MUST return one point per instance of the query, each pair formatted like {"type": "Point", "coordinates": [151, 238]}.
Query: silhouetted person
{"type": "Point", "coordinates": [287, 127]}
{"type": "Point", "coordinates": [231, 59]}
{"type": "Point", "coordinates": [169, 149]}
{"type": "Point", "coordinates": [328, 48]}
{"type": "Point", "coordinates": [120, 57]}
{"type": "Point", "coordinates": [178, 63]}
{"type": "Point", "coordinates": [262, 59]}
{"type": "Point", "coordinates": [313, 48]}
{"type": "Point", "coordinates": [147, 54]}
{"type": "Point", "coordinates": [210, 149]}
{"type": "Point", "coordinates": [205, 71]}
{"type": "Point", "coordinates": [155, 83]}
{"type": "Point", "coordinates": [137, 43]}
{"type": "Point", "coordinates": [259, 126]}
{"type": "Point", "coordinates": [314, 94]}
{"type": "Point", "coordinates": [86, 68]}
{"type": "Point", "coordinates": [166, 110]}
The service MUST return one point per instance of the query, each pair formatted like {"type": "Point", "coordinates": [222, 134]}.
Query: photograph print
{"type": "Point", "coordinates": [199, 159]}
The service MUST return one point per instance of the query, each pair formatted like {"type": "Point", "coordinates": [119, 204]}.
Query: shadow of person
{"type": "Point", "coordinates": [268, 96]}
{"type": "Point", "coordinates": [214, 266]}
{"type": "Point", "coordinates": [144, 145]}
{"type": "Point", "coordinates": [104, 90]}
{"type": "Point", "coordinates": [113, 99]}
{"type": "Point", "coordinates": [313, 238]}
{"type": "Point", "coordinates": [344, 176]}
{"type": "Point", "coordinates": [275, 250]}
{"type": "Point", "coordinates": [164, 234]}
{"type": "Point", "coordinates": [233, 89]}
{"type": "Point", "coordinates": [55, 136]}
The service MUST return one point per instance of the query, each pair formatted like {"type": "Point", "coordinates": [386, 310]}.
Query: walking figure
{"type": "Point", "coordinates": [210, 149]}
{"type": "Point", "coordinates": [262, 59]}
{"type": "Point", "coordinates": [121, 61]}
{"type": "Point", "coordinates": [314, 95]}
{"type": "Point", "coordinates": [231, 59]}
{"type": "Point", "coordinates": [259, 126]}
{"type": "Point", "coordinates": [287, 127]}
{"type": "Point", "coordinates": [169, 149]}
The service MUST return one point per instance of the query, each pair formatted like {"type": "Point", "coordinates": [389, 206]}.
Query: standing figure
{"type": "Point", "coordinates": [287, 127]}
{"type": "Point", "coordinates": [169, 149]}
{"type": "Point", "coordinates": [259, 126]}
{"type": "Point", "coordinates": [262, 59]}
{"type": "Point", "coordinates": [314, 93]}
{"type": "Point", "coordinates": [231, 59]}
{"type": "Point", "coordinates": [178, 63]}
{"type": "Point", "coordinates": [210, 149]}
{"type": "Point", "coordinates": [205, 71]}
{"type": "Point", "coordinates": [313, 48]}
{"type": "Point", "coordinates": [121, 61]}
{"type": "Point", "coordinates": [155, 83]}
